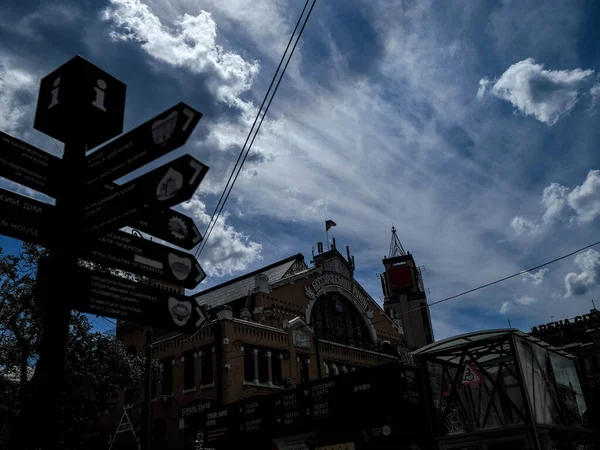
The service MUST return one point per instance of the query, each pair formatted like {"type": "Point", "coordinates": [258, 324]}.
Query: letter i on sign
{"type": "Point", "coordinates": [99, 89]}
{"type": "Point", "coordinates": [54, 92]}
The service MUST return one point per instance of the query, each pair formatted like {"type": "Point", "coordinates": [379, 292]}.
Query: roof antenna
{"type": "Point", "coordinates": [593, 304]}
{"type": "Point", "coordinates": [509, 325]}
{"type": "Point", "coordinates": [396, 248]}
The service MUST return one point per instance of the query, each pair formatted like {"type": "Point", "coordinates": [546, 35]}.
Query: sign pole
{"type": "Point", "coordinates": [62, 266]}
{"type": "Point", "coordinates": [82, 106]}
{"type": "Point", "coordinates": [147, 407]}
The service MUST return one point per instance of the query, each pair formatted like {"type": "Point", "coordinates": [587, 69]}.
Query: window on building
{"type": "Point", "coordinates": [263, 366]}
{"type": "Point", "coordinates": [336, 319]}
{"type": "Point", "coordinates": [248, 364]}
{"type": "Point", "coordinates": [256, 358]}
{"type": "Point", "coordinates": [207, 365]}
{"type": "Point", "coordinates": [167, 376]}
{"type": "Point", "coordinates": [277, 373]}
{"type": "Point", "coordinates": [303, 369]}
{"type": "Point", "coordinates": [189, 372]}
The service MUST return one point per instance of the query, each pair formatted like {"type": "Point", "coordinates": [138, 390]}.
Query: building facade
{"type": "Point", "coordinates": [283, 325]}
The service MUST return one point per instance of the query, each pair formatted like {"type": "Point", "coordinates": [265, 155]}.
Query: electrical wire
{"type": "Point", "coordinates": [255, 120]}
{"type": "Point", "coordinates": [228, 187]}
{"type": "Point", "coordinates": [452, 297]}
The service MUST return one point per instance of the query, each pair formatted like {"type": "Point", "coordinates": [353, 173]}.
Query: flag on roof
{"type": "Point", "coordinates": [329, 224]}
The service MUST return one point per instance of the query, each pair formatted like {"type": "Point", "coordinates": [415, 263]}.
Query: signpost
{"type": "Point", "coordinates": [171, 226]}
{"type": "Point", "coordinates": [120, 298]}
{"type": "Point", "coordinates": [149, 141]}
{"type": "Point", "coordinates": [82, 106]}
{"type": "Point", "coordinates": [136, 255]}
{"type": "Point", "coordinates": [166, 186]}
{"type": "Point", "coordinates": [28, 165]}
{"type": "Point", "coordinates": [24, 218]}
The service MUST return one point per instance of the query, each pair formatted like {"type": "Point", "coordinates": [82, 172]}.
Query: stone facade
{"type": "Point", "coordinates": [288, 328]}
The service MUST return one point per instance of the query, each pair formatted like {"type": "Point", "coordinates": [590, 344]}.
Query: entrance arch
{"type": "Point", "coordinates": [334, 316]}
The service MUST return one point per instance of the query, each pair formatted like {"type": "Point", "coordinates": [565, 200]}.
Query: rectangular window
{"type": "Point", "coordinates": [303, 368]}
{"type": "Point", "coordinates": [189, 365]}
{"type": "Point", "coordinates": [207, 365]}
{"type": "Point", "coordinates": [263, 366]}
{"type": "Point", "coordinates": [248, 364]}
{"type": "Point", "coordinates": [167, 376]}
{"type": "Point", "coordinates": [276, 369]}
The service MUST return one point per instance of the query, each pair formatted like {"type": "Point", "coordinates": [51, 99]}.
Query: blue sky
{"type": "Point", "coordinates": [471, 126]}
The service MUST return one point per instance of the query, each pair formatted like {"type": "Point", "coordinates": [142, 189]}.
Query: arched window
{"type": "Point", "coordinates": [336, 319]}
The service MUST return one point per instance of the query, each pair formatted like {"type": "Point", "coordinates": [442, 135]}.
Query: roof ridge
{"type": "Point", "coordinates": [250, 274]}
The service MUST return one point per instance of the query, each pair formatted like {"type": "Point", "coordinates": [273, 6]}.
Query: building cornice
{"type": "Point", "coordinates": [258, 325]}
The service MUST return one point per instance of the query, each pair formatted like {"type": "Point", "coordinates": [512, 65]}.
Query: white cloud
{"type": "Point", "coordinates": [15, 87]}
{"type": "Point", "coordinates": [580, 283]}
{"type": "Point", "coordinates": [585, 199]}
{"type": "Point", "coordinates": [524, 227]}
{"type": "Point", "coordinates": [583, 204]}
{"type": "Point", "coordinates": [545, 94]}
{"type": "Point", "coordinates": [228, 251]}
{"type": "Point", "coordinates": [506, 307]}
{"type": "Point", "coordinates": [554, 199]}
{"type": "Point", "coordinates": [483, 87]}
{"type": "Point", "coordinates": [525, 300]}
{"type": "Point", "coordinates": [509, 305]}
{"type": "Point", "coordinates": [190, 43]}
{"type": "Point", "coordinates": [535, 278]}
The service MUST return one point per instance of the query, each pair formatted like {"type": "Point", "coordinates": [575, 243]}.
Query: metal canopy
{"type": "Point", "coordinates": [444, 349]}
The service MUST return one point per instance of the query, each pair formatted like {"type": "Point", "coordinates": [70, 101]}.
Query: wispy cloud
{"type": "Point", "coordinates": [510, 305]}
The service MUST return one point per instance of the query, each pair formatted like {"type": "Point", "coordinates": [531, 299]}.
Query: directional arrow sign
{"type": "Point", "coordinates": [25, 218]}
{"type": "Point", "coordinates": [133, 254]}
{"type": "Point", "coordinates": [171, 226]}
{"type": "Point", "coordinates": [28, 165]}
{"type": "Point", "coordinates": [166, 224]}
{"type": "Point", "coordinates": [149, 141]}
{"type": "Point", "coordinates": [161, 188]}
{"type": "Point", "coordinates": [119, 298]}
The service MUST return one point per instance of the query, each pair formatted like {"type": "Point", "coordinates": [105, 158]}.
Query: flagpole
{"type": "Point", "coordinates": [327, 236]}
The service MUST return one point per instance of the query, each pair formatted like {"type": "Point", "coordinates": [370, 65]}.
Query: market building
{"type": "Point", "coordinates": [284, 325]}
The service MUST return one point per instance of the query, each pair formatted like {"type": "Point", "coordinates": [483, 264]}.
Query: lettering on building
{"type": "Point", "coordinates": [591, 318]}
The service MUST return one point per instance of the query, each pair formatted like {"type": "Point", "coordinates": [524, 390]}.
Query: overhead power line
{"type": "Point", "coordinates": [501, 279]}
{"type": "Point", "coordinates": [254, 132]}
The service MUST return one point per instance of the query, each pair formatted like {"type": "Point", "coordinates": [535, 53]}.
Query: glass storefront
{"type": "Point", "coordinates": [495, 385]}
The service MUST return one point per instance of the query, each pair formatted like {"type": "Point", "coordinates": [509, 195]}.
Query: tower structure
{"type": "Point", "coordinates": [405, 297]}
